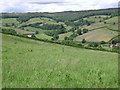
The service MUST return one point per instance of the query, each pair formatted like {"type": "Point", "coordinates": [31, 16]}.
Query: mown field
{"type": "Point", "coordinates": [34, 64]}
{"type": "Point", "coordinates": [98, 35]}
{"type": "Point", "coordinates": [43, 36]}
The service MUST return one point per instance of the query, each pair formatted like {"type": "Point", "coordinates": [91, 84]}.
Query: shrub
{"type": "Point", "coordinates": [79, 32]}
{"type": "Point", "coordinates": [94, 44]}
{"type": "Point", "coordinates": [83, 41]}
{"type": "Point", "coordinates": [102, 42]}
{"type": "Point", "coordinates": [9, 31]}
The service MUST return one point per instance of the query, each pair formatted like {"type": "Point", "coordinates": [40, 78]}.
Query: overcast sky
{"type": "Point", "coordinates": [54, 5]}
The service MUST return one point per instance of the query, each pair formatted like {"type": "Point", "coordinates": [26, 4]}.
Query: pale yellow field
{"type": "Point", "coordinates": [98, 35]}
{"type": "Point", "coordinates": [62, 36]}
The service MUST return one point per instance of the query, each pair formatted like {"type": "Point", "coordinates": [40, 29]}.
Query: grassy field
{"type": "Point", "coordinates": [62, 36]}
{"type": "Point", "coordinates": [0, 61]}
{"type": "Point", "coordinates": [102, 31]}
{"type": "Point", "coordinates": [34, 64]}
{"type": "Point", "coordinates": [42, 20]}
{"type": "Point", "coordinates": [109, 23]}
{"type": "Point", "coordinates": [36, 29]}
{"type": "Point", "coordinates": [95, 26]}
{"type": "Point", "coordinates": [37, 20]}
{"type": "Point", "coordinates": [113, 27]}
{"type": "Point", "coordinates": [10, 21]}
{"type": "Point", "coordinates": [97, 19]}
{"type": "Point", "coordinates": [98, 35]}
{"type": "Point", "coordinates": [112, 20]}
{"type": "Point", "coordinates": [43, 36]}
{"type": "Point", "coordinates": [20, 31]}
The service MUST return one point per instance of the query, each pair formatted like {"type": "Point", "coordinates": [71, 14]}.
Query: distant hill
{"type": "Point", "coordinates": [64, 23]}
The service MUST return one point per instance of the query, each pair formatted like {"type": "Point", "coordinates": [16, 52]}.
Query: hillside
{"type": "Point", "coordinates": [97, 31]}
{"type": "Point", "coordinates": [72, 49]}
{"type": "Point", "coordinates": [62, 24]}
{"type": "Point", "coordinates": [34, 64]}
{"type": "Point", "coordinates": [98, 35]}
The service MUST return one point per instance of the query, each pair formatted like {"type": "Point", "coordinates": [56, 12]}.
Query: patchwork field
{"type": "Point", "coordinates": [98, 35]}
{"type": "Point", "coordinates": [34, 64]}
{"type": "Point", "coordinates": [97, 26]}
{"type": "Point", "coordinates": [38, 20]}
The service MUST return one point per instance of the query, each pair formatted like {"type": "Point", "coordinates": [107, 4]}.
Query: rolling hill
{"type": "Point", "coordinates": [65, 49]}
{"type": "Point", "coordinates": [98, 35]}
{"type": "Point", "coordinates": [34, 64]}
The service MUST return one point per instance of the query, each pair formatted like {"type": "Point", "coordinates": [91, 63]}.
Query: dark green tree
{"type": "Point", "coordinates": [55, 37]}
{"type": "Point", "coordinates": [66, 38]}
{"type": "Point", "coordinates": [105, 22]}
{"type": "Point", "coordinates": [36, 32]}
{"type": "Point", "coordinates": [83, 41]}
{"type": "Point", "coordinates": [79, 32]}
{"type": "Point", "coordinates": [114, 23]}
{"type": "Point", "coordinates": [102, 42]}
{"type": "Point", "coordinates": [85, 30]}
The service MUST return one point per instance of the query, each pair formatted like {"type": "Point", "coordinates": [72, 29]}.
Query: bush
{"type": "Point", "coordinates": [9, 31]}
{"type": "Point", "coordinates": [79, 32]}
{"type": "Point", "coordinates": [36, 32]}
{"type": "Point", "coordinates": [85, 30]}
{"type": "Point", "coordinates": [105, 22]}
{"type": "Point", "coordinates": [55, 37]}
{"type": "Point", "coordinates": [102, 42]}
{"type": "Point", "coordinates": [94, 44]}
{"type": "Point", "coordinates": [66, 38]}
{"type": "Point", "coordinates": [83, 41]}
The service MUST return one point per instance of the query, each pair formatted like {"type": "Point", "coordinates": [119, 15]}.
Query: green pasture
{"type": "Point", "coordinates": [33, 64]}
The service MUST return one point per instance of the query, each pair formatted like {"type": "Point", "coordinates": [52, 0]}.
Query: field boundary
{"type": "Point", "coordinates": [67, 43]}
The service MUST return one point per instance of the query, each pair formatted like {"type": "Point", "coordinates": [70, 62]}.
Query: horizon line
{"type": "Point", "coordinates": [65, 11]}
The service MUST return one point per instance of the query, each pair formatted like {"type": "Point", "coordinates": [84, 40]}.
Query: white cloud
{"type": "Point", "coordinates": [54, 5]}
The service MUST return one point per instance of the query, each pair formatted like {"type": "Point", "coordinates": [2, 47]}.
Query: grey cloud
{"type": "Point", "coordinates": [46, 2]}
{"type": "Point", "coordinates": [55, 5]}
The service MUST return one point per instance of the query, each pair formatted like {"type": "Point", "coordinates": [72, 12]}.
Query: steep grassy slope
{"type": "Point", "coordinates": [28, 63]}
